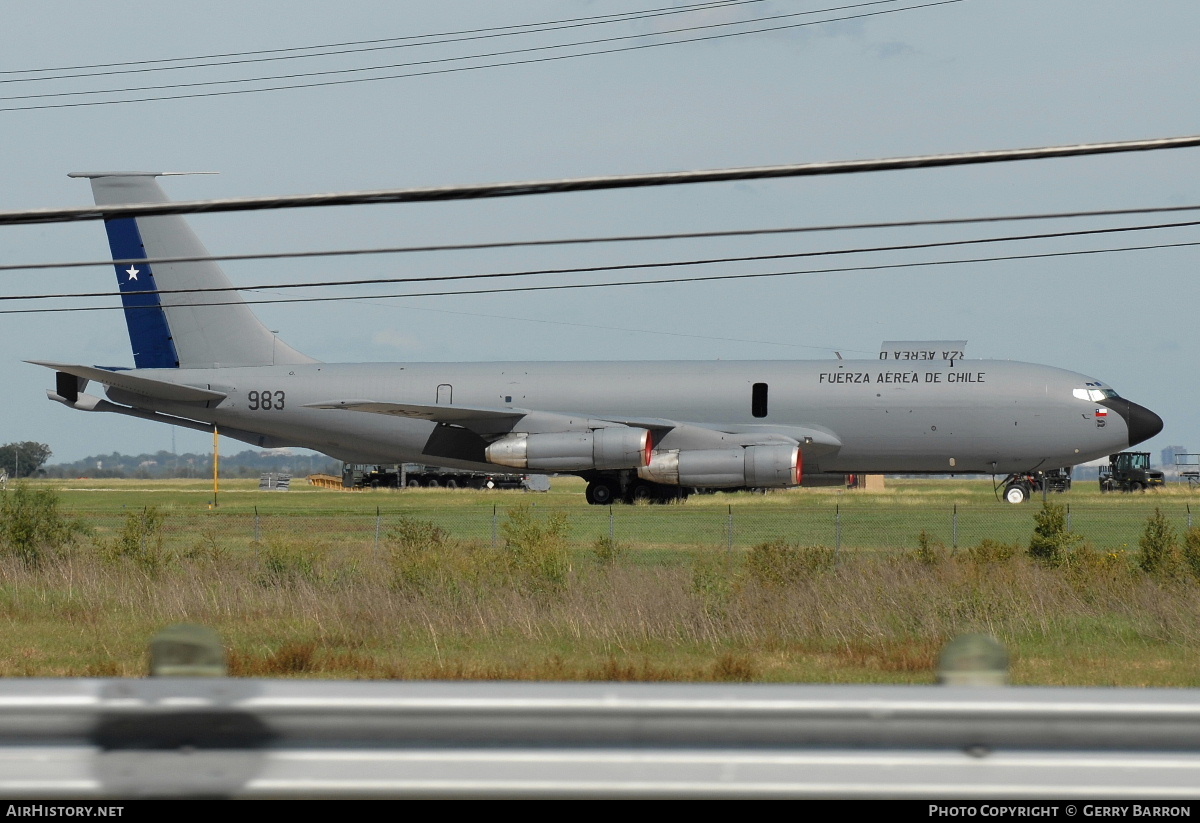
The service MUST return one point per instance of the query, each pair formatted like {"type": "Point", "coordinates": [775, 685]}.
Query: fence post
{"type": "Point", "coordinates": [257, 527]}
{"type": "Point", "coordinates": [375, 551]}
{"type": "Point", "coordinates": [954, 529]}
{"type": "Point", "coordinates": [729, 533]}
{"type": "Point", "coordinates": [493, 525]}
{"type": "Point", "coordinates": [837, 527]}
{"type": "Point", "coordinates": [610, 525]}
{"type": "Point", "coordinates": [1068, 517]}
{"type": "Point", "coordinates": [1189, 511]}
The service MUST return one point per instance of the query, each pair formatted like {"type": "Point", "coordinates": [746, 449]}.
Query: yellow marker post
{"type": "Point", "coordinates": [216, 464]}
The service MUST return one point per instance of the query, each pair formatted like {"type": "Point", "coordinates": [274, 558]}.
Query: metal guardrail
{"type": "Point", "coordinates": [220, 737]}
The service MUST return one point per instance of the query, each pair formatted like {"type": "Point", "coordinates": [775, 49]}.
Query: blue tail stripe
{"type": "Point", "coordinates": [149, 333]}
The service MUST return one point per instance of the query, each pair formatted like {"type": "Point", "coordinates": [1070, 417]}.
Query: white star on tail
{"type": "Point", "coordinates": [132, 272]}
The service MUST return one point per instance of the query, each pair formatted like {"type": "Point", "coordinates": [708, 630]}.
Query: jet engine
{"type": "Point", "coordinates": [769, 466]}
{"type": "Point", "coordinates": [615, 447]}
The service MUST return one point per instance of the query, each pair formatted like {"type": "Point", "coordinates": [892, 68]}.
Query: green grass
{"type": "Point", "coordinates": [317, 596]}
{"type": "Point", "coordinates": [954, 512]}
{"type": "Point", "coordinates": [243, 495]}
{"type": "Point", "coordinates": [867, 620]}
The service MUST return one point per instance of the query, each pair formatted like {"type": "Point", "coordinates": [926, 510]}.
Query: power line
{"type": "Point", "coordinates": [600, 183]}
{"type": "Point", "coordinates": [621, 283]}
{"type": "Point", "coordinates": [361, 46]}
{"type": "Point", "coordinates": [526, 61]}
{"type": "Point", "coordinates": [629, 238]}
{"type": "Point", "coordinates": [743, 276]}
{"type": "Point", "coordinates": [615, 17]}
{"type": "Point", "coordinates": [707, 261]}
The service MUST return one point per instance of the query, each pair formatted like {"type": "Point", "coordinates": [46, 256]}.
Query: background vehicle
{"type": "Point", "coordinates": [414, 475]}
{"type": "Point", "coordinates": [1129, 472]}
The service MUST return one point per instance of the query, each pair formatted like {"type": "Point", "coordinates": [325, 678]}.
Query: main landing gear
{"type": "Point", "coordinates": [626, 487]}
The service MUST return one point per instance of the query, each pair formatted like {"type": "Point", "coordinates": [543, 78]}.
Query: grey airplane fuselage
{"type": "Point", "coordinates": [966, 416]}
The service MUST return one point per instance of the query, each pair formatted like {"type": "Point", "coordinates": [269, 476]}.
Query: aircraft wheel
{"type": "Point", "coordinates": [413, 484]}
{"type": "Point", "coordinates": [432, 483]}
{"type": "Point", "coordinates": [452, 484]}
{"type": "Point", "coordinates": [642, 491]}
{"type": "Point", "coordinates": [1016, 493]}
{"type": "Point", "coordinates": [601, 492]}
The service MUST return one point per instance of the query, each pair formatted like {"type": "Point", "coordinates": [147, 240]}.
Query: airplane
{"type": "Point", "coordinates": [632, 430]}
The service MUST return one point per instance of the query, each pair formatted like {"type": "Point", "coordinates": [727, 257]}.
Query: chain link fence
{"type": "Point", "coordinates": [651, 531]}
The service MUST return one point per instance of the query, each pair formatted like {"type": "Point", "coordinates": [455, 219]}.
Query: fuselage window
{"type": "Point", "coordinates": [758, 400]}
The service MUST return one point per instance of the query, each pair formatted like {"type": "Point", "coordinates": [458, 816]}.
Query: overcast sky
{"type": "Point", "coordinates": [962, 76]}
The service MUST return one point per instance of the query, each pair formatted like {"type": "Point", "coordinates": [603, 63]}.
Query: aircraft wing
{"type": "Point", "coordinates": [146, 386]}
{"type": "Point", "coordinates": [675, 434]}
{"type": "Point", "coordinates": [443, 413]}
{"type": "Point", "coordinates": [488, 422]}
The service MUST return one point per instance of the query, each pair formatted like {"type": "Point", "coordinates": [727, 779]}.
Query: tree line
{"type": "Point", "coordinates": [27, 459]}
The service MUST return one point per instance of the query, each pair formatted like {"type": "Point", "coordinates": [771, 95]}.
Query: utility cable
{"type": "Point", "coordinates": [707, 261]}
{"type": "Point", "coordinates": [519, 28]}
{"type": "Point", "coordinates": [520, 62]}
{"type": "Point", "coordinates": [620, 283]}
{"type": "Point", "coordinates": [629, 238]}
{"type": "Point", "coordinates": [599, 183]}
{"type": "Point", "coordinates": [431, 61]}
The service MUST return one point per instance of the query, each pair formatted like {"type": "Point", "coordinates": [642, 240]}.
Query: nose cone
{"type": "Point", "coordinates": [1141, 422]}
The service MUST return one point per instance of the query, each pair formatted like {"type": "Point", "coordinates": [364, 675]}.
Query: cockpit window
{"type": "Point", "coordinates": [1094, 395]}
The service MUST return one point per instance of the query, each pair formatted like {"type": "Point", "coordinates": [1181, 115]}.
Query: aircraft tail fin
{"type": "Point", "coordinates": [191, 329]}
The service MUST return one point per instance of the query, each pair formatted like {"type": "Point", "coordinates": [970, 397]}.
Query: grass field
{"type": "Point", "coordinates": [243, 495]}
{"type": "Point", "coordinates": [466, 584]}
{"type": "Point", "coordinates": [953, 513]}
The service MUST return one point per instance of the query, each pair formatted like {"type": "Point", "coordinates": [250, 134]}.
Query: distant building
{"type": "Point", "coordinates": [1168, 454]}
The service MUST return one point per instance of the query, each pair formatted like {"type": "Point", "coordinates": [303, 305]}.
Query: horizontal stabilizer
{"type": "Point", "coordinates": [145, 386]}
{"type": "Point", "coordinates": [91, 403]}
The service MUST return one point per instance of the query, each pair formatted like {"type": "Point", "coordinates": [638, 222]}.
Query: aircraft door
{"type": "Point", "coordinates": [445, 394]}
{"type": "Point", "coordinates": [758, 400]}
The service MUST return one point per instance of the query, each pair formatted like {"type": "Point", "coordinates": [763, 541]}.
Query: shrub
{"type": "Point", "coordinates": [140, 540]}
{"type": "Point", "coordinates": [422, 556]}
{"type": "Point", "coordinates": [287, 562]}
{"type": "Point", "coordinates": [207, 547]}
{"type": "Point", "coordinates": [31, 525]}
{"type": "Point", "coordinates": [607, 551]}
{"type": "Point", "coordinates": [1051, 540]}
{"type": "Point", "coordinates": [409, 536]}
{"type": "Point", "coordinates": [992, 551]}
{"type": "Point", "coordinates": [1159, 555]}
{"type": "Point", "coordinates": [779, 563]}
{"type": "Point", "coordinates": [1191, 550]}
{"type": "Point", "coordinates": [1088, 567]}
{"type": "Point", "coordinates": [535, 548]}
{"type": "Point", "coordinates": [712, 583]}
{"type": "Point", "coordinates": [930, 550]}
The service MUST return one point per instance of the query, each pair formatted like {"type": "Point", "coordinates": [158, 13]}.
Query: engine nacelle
{"type": "Point", "coordinates": [772, 466]}
{"type": "Point", "coordinates": [615, 447]}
